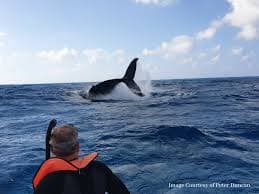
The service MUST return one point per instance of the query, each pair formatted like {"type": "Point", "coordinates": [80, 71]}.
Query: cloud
{"type": "Point", "coordinates": [245, 57]}
{"type": "Point", "coordinates": [2, 37]}
{"type": "Point", "coordinates": [188, 60]}
{"type": "Point", "coordinates": [244, 15]}
{"type": "Point", "coordinates": [248, 56]}
{"type": "Point", "coordinates": [58, 55]}
{"type": "Point", "coordinates": [95, 55]}
{"type": "Point", "coordinates": [62, 65]}
{"type": "Point", "coordinates": [156, 2]}
{"type": "Point", "coordinates": [210, 31]}
{"type": "Point", "coordinates": [215, 59]}
{"type": "Point", "coordinates": [237, 51]}
{"type": "Point", "coordinates": [3, 34]}
{"type": "Point", "coordinates": [178, 46]}
{"type": "Point", "coordinates": [216, 48]}
{"type": "Point", "coordinates": [202, 55]}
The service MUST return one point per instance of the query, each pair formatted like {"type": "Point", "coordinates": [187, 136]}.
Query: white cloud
{"type": "Point", "coordinates": [58, 55]}
{"type": "Point", "coordinates": [155, 2]}
{"type": "Point", "coordinates": [148, 52]}
{"type": "Point", "coordinates": [202, 55]}
{"type": "Point", "coordinates": [244, 15]}
{"type": "Point", "coordinates": [188, 60]}
{"type": "Point", "coordinates": [208, 56]}
{"type": "Point", "coordinates": [245, 57]}
{"type": "Point", "coordinates": [216, 48]}
{"type": "Point", "coordinates": [63, 65]}
{"type": "Point", "coordinates": [2, 37]}
{"type": "Point", "coordinates": [215, 59]}
{"type": "Point", "coordinates": [237, 51]}
{"type": "Point", "coordinates": [210, 31]}
{"type": "Point", "coordinates": [95, 55]}
{"type": "Point", "coordinates": [174, 48]}
{"type": "Point", "coordinates": [3, 34]}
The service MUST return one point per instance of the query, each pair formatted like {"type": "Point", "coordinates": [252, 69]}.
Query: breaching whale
{"type": "Point", "coordinates": [107, 86]}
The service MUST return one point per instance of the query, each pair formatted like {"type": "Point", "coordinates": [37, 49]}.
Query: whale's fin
{"type": "Point", "coordinates": [133, 87]}
{"type": "Point", "coordinates": [128, 78]}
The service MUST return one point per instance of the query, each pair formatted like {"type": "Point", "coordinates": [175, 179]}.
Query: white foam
{"type": "Point", "coordinates": [143, 78]}
{"type": "Point", "coordinates": [120, 92]}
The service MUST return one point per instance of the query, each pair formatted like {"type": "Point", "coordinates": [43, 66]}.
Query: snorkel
{"type": "Point", "coordinates": [52, 124]}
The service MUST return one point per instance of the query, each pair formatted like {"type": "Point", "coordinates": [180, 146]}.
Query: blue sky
{"type": "Point", "coordinates": [82, 40]}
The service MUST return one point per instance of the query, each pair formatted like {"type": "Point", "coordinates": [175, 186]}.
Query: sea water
{"type": "Point", "coordinates": [185, 136]}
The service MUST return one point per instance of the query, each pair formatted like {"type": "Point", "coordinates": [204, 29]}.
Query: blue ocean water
{"type": "Point", "coordinates": [199, 131]}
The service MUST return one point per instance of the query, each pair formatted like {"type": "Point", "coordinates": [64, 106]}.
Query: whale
{"type": "Point", "coordinates": [107, 86]}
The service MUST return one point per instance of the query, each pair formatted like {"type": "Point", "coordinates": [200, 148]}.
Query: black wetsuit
{"type": "Point", "coordinates": [96, 178]}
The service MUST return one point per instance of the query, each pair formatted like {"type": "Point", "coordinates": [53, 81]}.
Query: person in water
{"type": "Point", "coordinates": [66, 173]}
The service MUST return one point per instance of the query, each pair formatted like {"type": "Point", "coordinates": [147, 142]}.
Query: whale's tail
{"type": "Point", "coordinates": [128, 78]}
{"type": "Point", "coordinates": [131, 70]}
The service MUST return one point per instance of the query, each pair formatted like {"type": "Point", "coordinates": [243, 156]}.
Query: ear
{"type": "Point", "coordinates": [52, 151]}
{"type": "Point", "coordinates": [77, 146]}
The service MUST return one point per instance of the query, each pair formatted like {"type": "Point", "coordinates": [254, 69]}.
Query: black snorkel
{"type": "Point", "coordinates": [52, 124]}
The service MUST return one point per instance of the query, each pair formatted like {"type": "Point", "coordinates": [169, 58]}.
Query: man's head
{"type": "Point", "coordinates": [64, 142]}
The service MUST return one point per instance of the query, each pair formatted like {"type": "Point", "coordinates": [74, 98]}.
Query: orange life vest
{"type": "Point", "coordinates": [57, 164]}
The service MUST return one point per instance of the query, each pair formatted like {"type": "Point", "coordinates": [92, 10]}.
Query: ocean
{"type": "Point", "coordinates": [186, 136]}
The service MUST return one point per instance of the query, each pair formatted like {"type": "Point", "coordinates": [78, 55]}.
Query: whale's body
{"type": "Point", "coordinates": [107, 86]}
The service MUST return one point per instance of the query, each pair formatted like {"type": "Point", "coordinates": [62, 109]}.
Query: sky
{"type": "Point", "coordinates": [61, 41]}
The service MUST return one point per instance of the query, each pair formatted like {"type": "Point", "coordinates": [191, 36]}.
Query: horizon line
{"type": "Point", "coordinates": [78, 82]}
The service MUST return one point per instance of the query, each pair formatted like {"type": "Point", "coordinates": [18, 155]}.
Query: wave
{"type": "Point", "coordinates": [235, 97]}
{"type": "Point", "coordinates": [183, 132]}
{"type": "Point", "coordinates": [227, 144]}
{"type": "Point", "coordinates": [167, 134]}
{"type": "Point", "coordinates": [163, 133]}
{"type": "Point", "coordinates": [244, 130]}
{"type": "Point", "coordinates": [228, 160]}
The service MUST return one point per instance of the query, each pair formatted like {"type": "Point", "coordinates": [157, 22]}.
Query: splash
{"type": "Point", "coordinates": [120, 92]}
{"type": "Point", "coordinates": [143, 78]}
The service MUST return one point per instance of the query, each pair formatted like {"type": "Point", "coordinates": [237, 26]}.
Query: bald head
{"type": "Point", "coordinates": [64, 140]}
